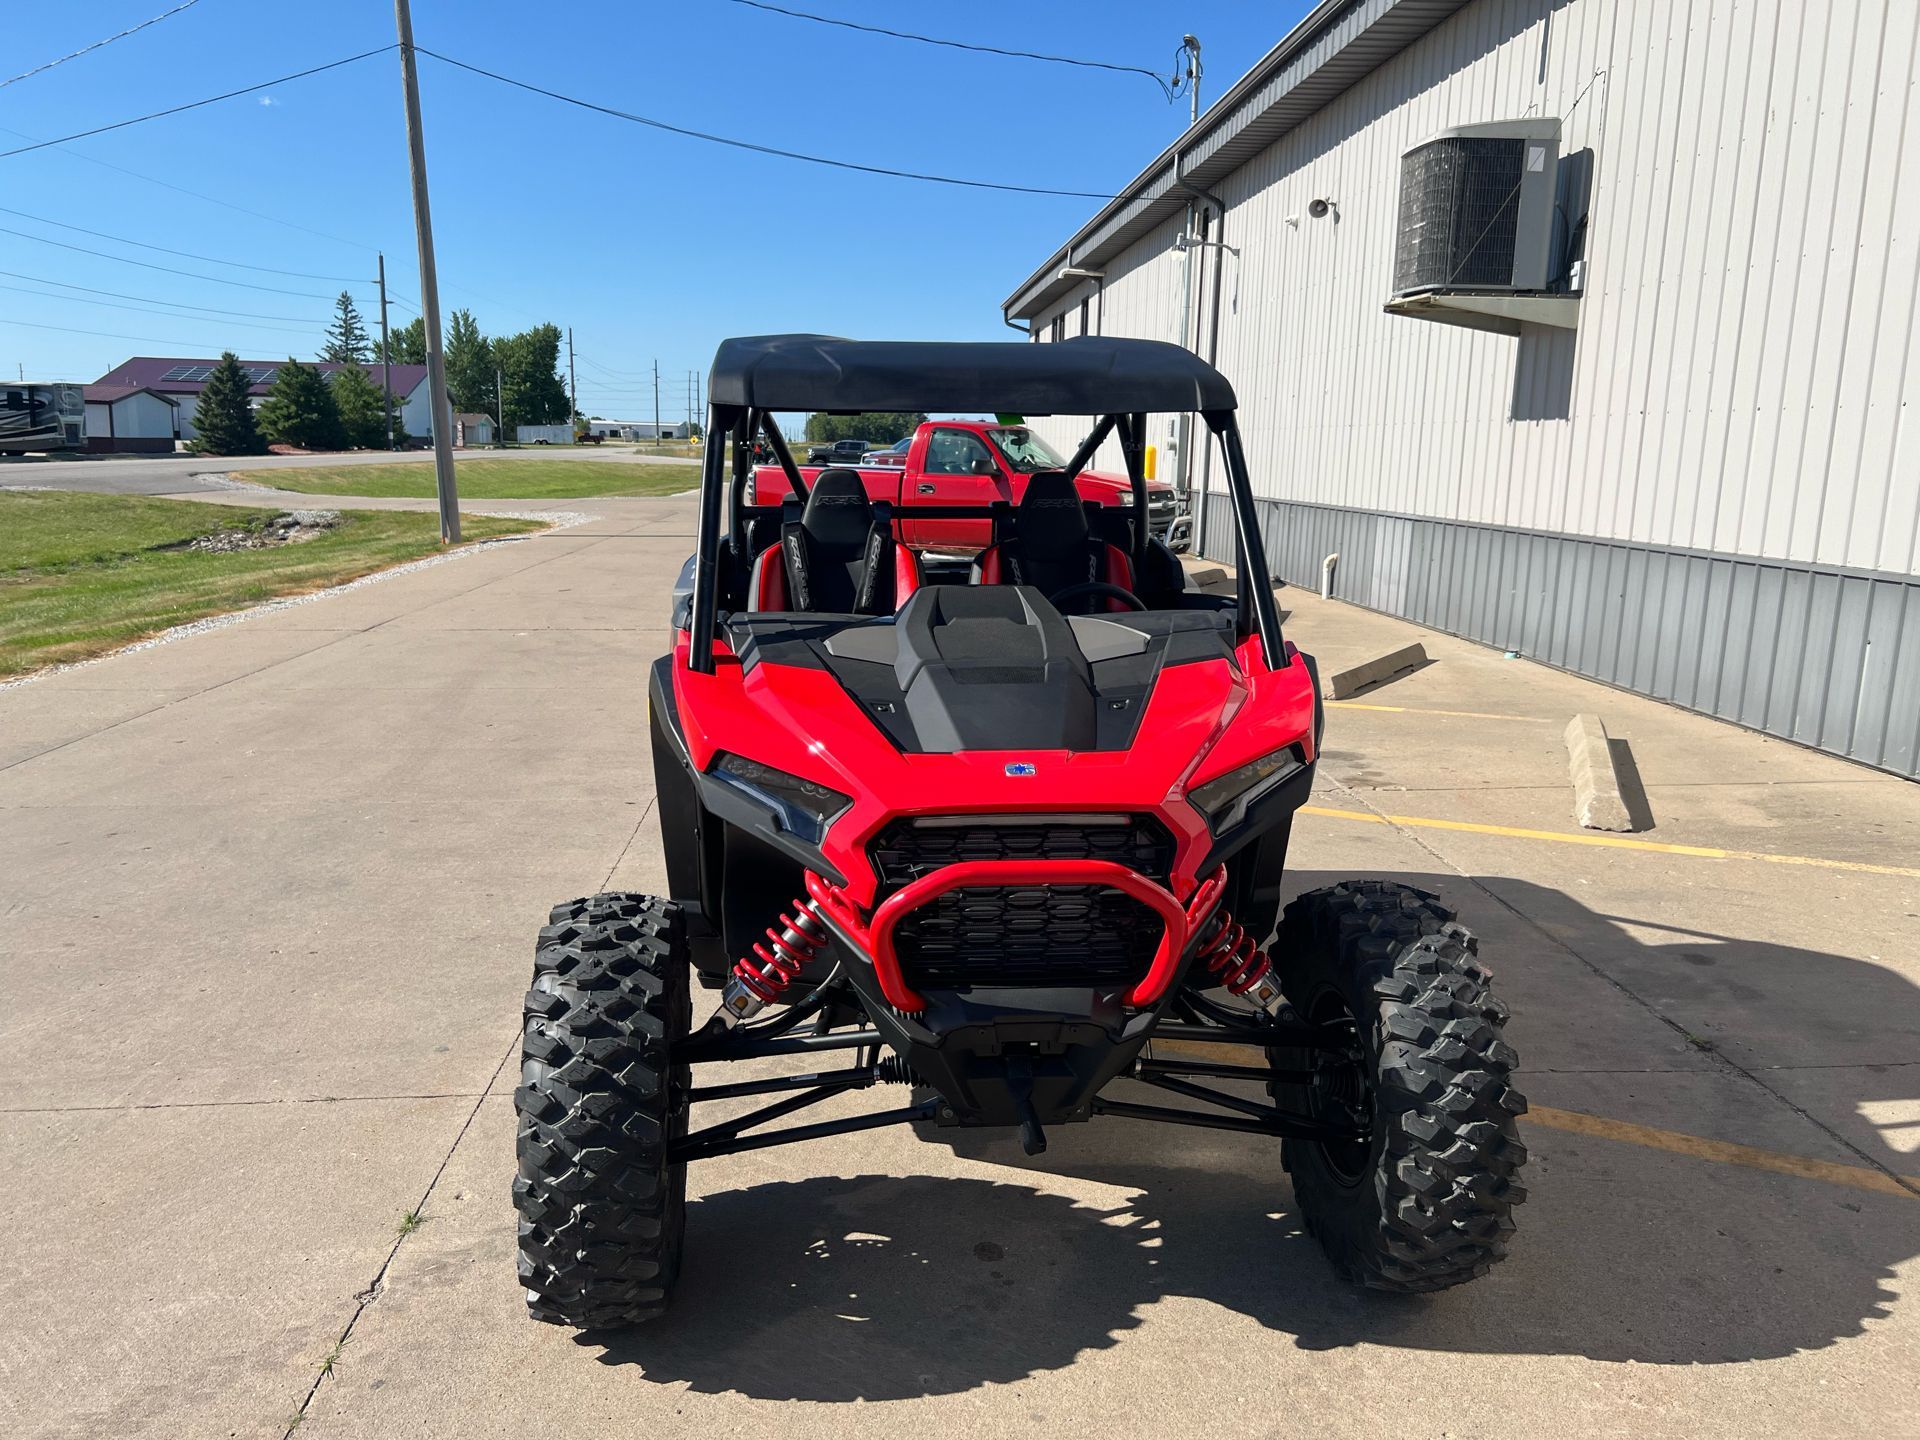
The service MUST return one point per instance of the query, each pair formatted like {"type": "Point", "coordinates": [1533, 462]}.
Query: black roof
{"type": "Point", "coordinates": [1091, 375]}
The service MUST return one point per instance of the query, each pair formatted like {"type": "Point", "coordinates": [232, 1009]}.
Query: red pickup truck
{"type": "Point", "coordinates": [975, 462]}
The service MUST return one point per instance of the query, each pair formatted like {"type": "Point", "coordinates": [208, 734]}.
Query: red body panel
{"type": "Point", "coordinates": [1201, 721]}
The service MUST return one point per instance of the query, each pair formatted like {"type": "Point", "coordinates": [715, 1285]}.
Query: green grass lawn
{"type": "Point", "coordinates": [491, 479]}
{"type": "Point", "coordinates": [84, 574]}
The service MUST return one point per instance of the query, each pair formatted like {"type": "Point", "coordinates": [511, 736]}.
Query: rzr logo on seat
{"type": "Point", "coordinates": [1020, 767]}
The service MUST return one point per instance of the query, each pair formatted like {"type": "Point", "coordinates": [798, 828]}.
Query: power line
{"type": "Point", "coordinates": [197, 104]}
{"type": "Point", "coordinates": [1166, 89]}
{"type": "Point", "coordinates": [167, 269]}
{"type": "Point", "coordinates": [183, 254]}
{"type": "Point", "coordinates": [89, 49]}
{"type": "Point", "coordinates": [110, 335]}
{"type": "Point", "coordinates": [758, 149]}
{"type": "Point", "coordinates": [194, 194]}
{"type": "Point", "coordinates": [167, 314]}
{"type": "Point", "coordinates": [151, 300]}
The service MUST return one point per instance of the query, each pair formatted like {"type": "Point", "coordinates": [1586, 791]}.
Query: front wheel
{"type": "Point", "coordinates": [1423, 1198]}
{"type": "Point", "coordinates": [601, 1099]}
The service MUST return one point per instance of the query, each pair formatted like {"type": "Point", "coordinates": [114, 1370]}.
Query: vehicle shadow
{"type": "Point", "coordinates": [895, 1286]}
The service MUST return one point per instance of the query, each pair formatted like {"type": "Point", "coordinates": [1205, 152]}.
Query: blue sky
{"type": "Point", "coordinates": [648, 245]}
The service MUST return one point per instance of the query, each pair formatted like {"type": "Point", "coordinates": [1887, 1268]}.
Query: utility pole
{"type": "Point", "coordinates": [386, 352]}
{"type": "Point", "coordinates": [1194, 72]}
{"type": "Point", "coordinates": [699, 403]}
{"type": "Point", "coordinates": [656, 404]}
{"type": "Point", "coordinates": [689, 395]}
{"type": "Point", "coordinates": [499, 408]}
{"type": "Point", "coordinates": [573, 386]}
{"type": "Point", "coordinates": [429, 285]}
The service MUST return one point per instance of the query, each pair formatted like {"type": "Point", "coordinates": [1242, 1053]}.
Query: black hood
{"type": "Point", "coordinates": [969, 667]}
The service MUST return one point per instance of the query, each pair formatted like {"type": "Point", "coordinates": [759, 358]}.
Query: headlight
{"type": "Point", "coordinates": [802, 808]}
{"type": "Point", "coordinates": [1224, 801]}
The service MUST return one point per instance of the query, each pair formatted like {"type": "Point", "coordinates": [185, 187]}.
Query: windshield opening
{"type": "Point", "coordinates": [1025, 451]}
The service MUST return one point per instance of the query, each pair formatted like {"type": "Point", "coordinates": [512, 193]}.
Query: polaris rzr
{"type": "Point", "coordinates": [1001, 834]}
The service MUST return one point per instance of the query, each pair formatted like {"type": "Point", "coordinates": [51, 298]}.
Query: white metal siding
{"type": "Point", "coordinates": [1742, 377]}
{"type": "Point", "coordinates": [1710, 490]}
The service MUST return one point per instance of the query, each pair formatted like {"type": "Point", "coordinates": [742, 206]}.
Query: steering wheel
{"type": "Point", "coordinates": [1097, 587]}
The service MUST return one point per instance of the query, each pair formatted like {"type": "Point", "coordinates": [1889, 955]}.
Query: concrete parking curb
{"type": "Point", "coordinates": [1347, 682]}
{"type": "Point", "coordinates": [1598, 803]}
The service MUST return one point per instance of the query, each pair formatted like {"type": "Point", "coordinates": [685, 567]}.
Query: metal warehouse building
{"type": "Point", "coordinates": [1646, 412]}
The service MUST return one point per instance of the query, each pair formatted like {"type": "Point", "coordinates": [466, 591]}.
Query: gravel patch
{"type": "Point", "coordinates": [555, 519]}
{"type": "Point", "coordinates": [289, 527]}
{"type": "Point", "coordinates": [220, 480]}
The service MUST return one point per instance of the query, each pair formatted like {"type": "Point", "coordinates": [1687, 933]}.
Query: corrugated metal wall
{"type": "Point", "coordinates": [1740, 388]}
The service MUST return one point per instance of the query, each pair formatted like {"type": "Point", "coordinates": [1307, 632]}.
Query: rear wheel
{"type": "Point", "coordinates": [602, 1210]}
{"type": "Point", "coordinates": [1423, 1198]}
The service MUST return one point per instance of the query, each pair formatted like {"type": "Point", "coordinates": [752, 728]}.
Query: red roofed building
{"type": "Point", "coordinates": [180, 381]}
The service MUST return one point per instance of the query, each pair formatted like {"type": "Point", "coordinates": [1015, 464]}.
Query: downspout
{"type": "Point", "coordinates": [1213, 345]}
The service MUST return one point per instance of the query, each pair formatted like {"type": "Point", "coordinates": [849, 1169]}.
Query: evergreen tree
{"type": "Point", "coordinates": [300, 410]}
{"type": "Point", "coordinates": [408, 344]}
{"type": "Point", "coordinates": [358, 397]}
{"type": "Point", "coordinates": [469, 366]}
{"type": "Point", "coordinates": [347, 335]}
{"type": "Point", "coordinates": [224, 416]}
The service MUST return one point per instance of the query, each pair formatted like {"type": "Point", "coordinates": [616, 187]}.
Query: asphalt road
{"type": "Point", "coordinates": [267, 899]}
{"type": "Point", "coordinates": [175, 474]}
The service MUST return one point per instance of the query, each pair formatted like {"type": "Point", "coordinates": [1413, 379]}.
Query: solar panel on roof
{"type": "Point", "coordinates": [263, 374]}
{"type": "Point", "coordinates": [188, 372]}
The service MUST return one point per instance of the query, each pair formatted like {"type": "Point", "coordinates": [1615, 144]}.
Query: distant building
{"type": "Point", "coordinates": [472, 429]}
{"type": "Point", "coordinates": [181, 381]}
{"type": "Point", "coordinates": [130, 419]}
{"type": "Point", "coordinates": [637, 430]}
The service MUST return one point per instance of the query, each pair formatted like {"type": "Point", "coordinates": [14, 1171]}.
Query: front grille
{"type": "Point", "coordinates": [1026, 935]}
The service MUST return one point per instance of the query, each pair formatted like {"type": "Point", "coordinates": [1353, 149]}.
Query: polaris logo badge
{"type": "Point", "coordinates": [1020, 767]}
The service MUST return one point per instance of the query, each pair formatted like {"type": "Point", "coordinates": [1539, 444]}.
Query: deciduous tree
{"type": "Point", "coordinates": [882, 427]}
{"type": "Point", "coordinates": [530, 375]}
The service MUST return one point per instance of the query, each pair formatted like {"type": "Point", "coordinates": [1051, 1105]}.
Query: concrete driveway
{"type": "Point", "coordinates": [267, 898]}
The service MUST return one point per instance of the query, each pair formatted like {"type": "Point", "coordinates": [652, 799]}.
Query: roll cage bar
{"type": "Point", "coordinates": [755, 377]}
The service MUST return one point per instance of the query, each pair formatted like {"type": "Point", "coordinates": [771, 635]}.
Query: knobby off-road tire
{"type": "Point", "coordinates": [602, 1212]}
{"type": "Point", "coordinates": [1427, 1200]}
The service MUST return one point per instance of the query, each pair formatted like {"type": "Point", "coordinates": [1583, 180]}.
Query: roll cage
{"type": "Point", "coordinates": [1116, 382]}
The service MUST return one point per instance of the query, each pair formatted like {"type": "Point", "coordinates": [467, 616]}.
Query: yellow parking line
{"type": "Point", "coordinates": [1419, 710]}
{"type": "Point", "coordinates": [1861, 1177]}
{"type": "Point", "coordinates": [1614, 842]}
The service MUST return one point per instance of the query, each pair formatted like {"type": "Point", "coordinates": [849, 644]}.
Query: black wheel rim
{"type": "Point", "coordinates": [1341, 1091]}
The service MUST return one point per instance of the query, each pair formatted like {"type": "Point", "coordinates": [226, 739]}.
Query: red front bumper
{"type": "Point", "coordinates": [875, 936]}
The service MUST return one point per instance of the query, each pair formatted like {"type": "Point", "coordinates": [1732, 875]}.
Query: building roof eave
{"type": "Point", "coordinates": [1339, 42]}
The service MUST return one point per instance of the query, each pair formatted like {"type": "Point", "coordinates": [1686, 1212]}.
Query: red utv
{"type": "Point", "coordinates": [1001, 834]}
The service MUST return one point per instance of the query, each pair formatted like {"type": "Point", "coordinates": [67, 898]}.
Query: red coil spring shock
{"type": "Point", "coordinates": [1231, 957]}
{"type": "Point", "coordinates": [777, 963]}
